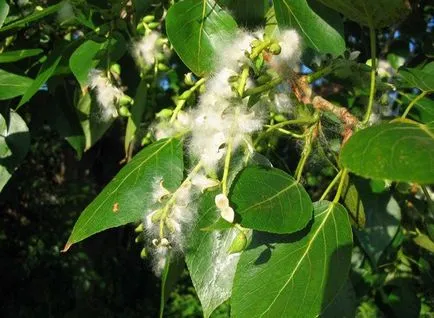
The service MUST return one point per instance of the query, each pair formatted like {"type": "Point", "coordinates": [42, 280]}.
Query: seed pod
{"type": "Point", "coordinates": [279, 118]}
{"type": "Point", "coordinates": [139, 228]}
{"type": "Point", "coordinates": [125, 100]}
{"type": "Point", "coordinates": [116, 69]}
{"type": "Point", "coordinates": [164, 113]}
{"type": "Point", "coordinates": [148, 18]}
{"type": "Point", "coordinates": [143, 253]}
{"type": "Point", "coordinates": [153, 25]}
{"type": "Point", "coordinates": [124, 111]}
{"type": "Point", "coordinates": [140, 238]}
{"type": "Point", "coordinates": [275, 49]}
{"type": "Point", "coordinates": [189, 79]}
{"type": "Point", "coordinates": [163, 67]}
{"type": "Point", "coordinates": [238, 244]}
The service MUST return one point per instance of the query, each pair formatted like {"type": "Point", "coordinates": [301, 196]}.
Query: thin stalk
{"type": "Point", "coordinates": [373, 42]}
{"type": "Point", "coordinates": [290, 133]}
{"type": "Point", "coordinates": [331, 185]}
{"type": "Point", "coordinates": [182, 102]}
{"type": "Point", "coordinates": [263, 88]}
{"type": "Point", "coordinates": [243, 80]}
{"type": "Point", "coordinates": [306, 152]}
{"type": "Point", "coordinates": [413, 102]}
{"type": "Point", "coordinates": [319, 74]}
{"type": "Point", "coordinates": [341, 186]}
{"type": "Point", "coordinates": [225, 190]}
{"type": "Point", "coordinates": [257, 50]}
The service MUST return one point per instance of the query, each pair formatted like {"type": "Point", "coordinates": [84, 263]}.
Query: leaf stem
{"type": "Point", "coordinates": [181, 102]}
{"type": "Point", "coordinates": [373, 42]}
{"type": "Point", "coordinates": [341, 186]}
{"type": "Point", "coordinates": [225, 190]}
{"type": "Point", "coordinates": [243, 80]}
{"type": "Point", "coordinates": [413, 102]}
{"type": "Point", "coordinates": [257, 50]}
{"type": "Point", "coordinates": [306, 152]}
{"type": "Point", "coordinates": [263, 88]}
{"type": "Point", "coordinates": [319, 74]}
{"type": "Point", "coordinates": [331, 185]}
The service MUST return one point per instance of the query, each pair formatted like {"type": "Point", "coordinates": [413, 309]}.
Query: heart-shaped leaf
{"type": "Point", "coordinates": [128, 196]}
{"type": "Point", "coordinates": [295, 275]}
{"type": "Point", "coordinates": [399, 151]}
{"type": "Point", "coordinates": [195, 29]}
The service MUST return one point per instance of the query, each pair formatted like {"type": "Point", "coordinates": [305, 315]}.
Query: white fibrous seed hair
{"type": "Point", "coordinates": [234, 50]}
{"type": "Point", "coordinates": [290, 54]}
{"type": "Point", "coordinates": [202, 182]}
{"type": "Point", "coordinates": [282, 102]}
{"type": "Point", "coordinates": [147, 49]}
{"type": "Point", "coordinates": [165, 129]}
{"type": "Point", "coordinates": [106, 93]}
{"type": "Point", "coordinates": [385, 69]}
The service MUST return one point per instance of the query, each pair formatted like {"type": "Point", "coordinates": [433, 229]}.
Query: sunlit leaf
{"type": "Point", "coordinates": [399, 151]}
{"type": "Point", "coordinates": [270, 200]}
{"type": "Point", "coordinates": [195, 29]}
{"type": "Point", "coordinates": [12, 85]}
{"type": "Point", "coordinates": [295, 275]}
{"type": "Point", "coordinates": [13, 56]}
{"type": "Point", "coordinates": [128, 196]}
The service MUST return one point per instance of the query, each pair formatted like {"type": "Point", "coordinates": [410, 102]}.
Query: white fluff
{"type": "Point", "coordinates": [107, 94]}
{"type": "Point", "coordinates": [202, 182]}
{"type": "Point", "coordinates": [233, 52]}
{"type": "Point", "coordinates": [159, 192]}
{"type": "Point", "coordinates": [146, 49]}
{"type": "Point", "coordinates": [290, 54]}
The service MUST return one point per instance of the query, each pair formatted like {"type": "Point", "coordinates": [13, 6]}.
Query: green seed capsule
{"type": "Point", "coordinates": [140, 238]}
{"type": "Point", "coordinates": [263, 79]}
{"type": "Point", "coordinates": [163, 67]}
{"type": "Point", "coordinates": [125, 100]}
{"type": "Point", "coordinates": [143, 253]}
{"type": "Point", "coordinates": [148, 18]}
{"type": "Point", "coordinates": [124, 111]}
{"type": "Point", "coordinates": [275, 49]}
{"type": "Point", "coordinates": [279, 118]}
{"type": "Point", "coordinates": [153, 25]}
{"type": "Point", "coordinates": [169, 225]}
{"type": "Point", "coordinates": [116, 69]}
{"type": "Point", "coordinates": [139, 228]}
{"type": "Point", "coordinates": [238, 244]}
{"type": "Point", "coordinates": [188, 79]}
{"type": "Point", "coordinates": [164, 113]}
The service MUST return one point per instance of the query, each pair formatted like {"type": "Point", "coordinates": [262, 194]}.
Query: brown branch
{"type": "Point", "coordinates": [304, 94]}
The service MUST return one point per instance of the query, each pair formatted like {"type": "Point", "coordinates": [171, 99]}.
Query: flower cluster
{"type": "Point", "coordinates": [222, 122]}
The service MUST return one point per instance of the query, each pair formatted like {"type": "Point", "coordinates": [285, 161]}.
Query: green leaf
{"type": "Point", "coordinates": [320, 27]}
{"type": "Point", "coordinates": [248, 12]}
{"type": "Point", "coordinates": [344, 304]}
{"type": "Point", "coordinates": [195, 29]}
{"type": "Point", "coordinates": [399, 151]}
{"type": "Point", "coordinates": [94, 52]}
{"type": "Point", "coordinates": [424, 241]}
{"type": "Point", "coordinates": [13, 85]}
{"type": "Point", "coordinates": [295, 275]}
{"type": "Point", "coordinates": [270, 200]}
{"type": "Point", "coordinates": [378, 13]}
{"type": "Point", "coordinates": [37, 15]}
{"type": "Point", "coordinates": [211, 266]}
{"type": "Point", "coordinates": [422, 111]}
{"type": "Point", "coordinates": [83, 60]}
{"type": "Point", "coordinates": [13, 56]}
{"type": "Point", "coordinates": [14, 144]}
{"type": "Point", "coordinates": [127, 197]}
{"type": "Point", "coordinates": [93, 125]}
{"type": "Point", "coordinates": [353, 202]}
{"type": "Point", "coordinates": [419, 77]}
{"type": "Point", "coordinates": [44, 74]}
{"type": "Point", "coordinates": [137, 110]}
{"type": "Point", "coordinates": [383, 217]}
{"type": "Point", "coordinates": [4, 10]}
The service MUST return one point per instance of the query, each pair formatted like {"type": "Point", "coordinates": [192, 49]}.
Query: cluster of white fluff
{"type": "Point", "coordinates": [148, 49]}
{"type": "Point", "coordinates": [107, 94]}
{"type": "Point", "coordinates": [181, 212]}
{"type": "Point", "coordinates": [221, 121]}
